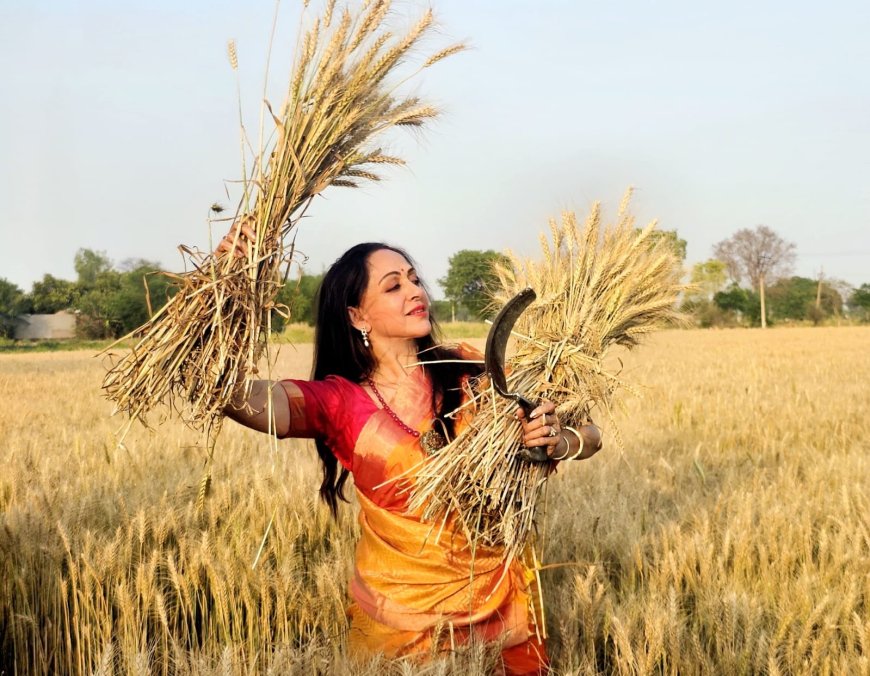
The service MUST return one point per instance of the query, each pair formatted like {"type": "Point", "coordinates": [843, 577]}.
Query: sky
{"type": "Point", "coordinates": [119, 127]}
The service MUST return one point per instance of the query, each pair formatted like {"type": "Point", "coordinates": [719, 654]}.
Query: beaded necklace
{"type": "Point", "coordinates": [430, 440]}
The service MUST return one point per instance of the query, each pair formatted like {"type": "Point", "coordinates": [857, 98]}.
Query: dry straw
{"type": "Point", "coordinates": [597, 288]}
{"type": "Point", "coordinates": [342, 96]}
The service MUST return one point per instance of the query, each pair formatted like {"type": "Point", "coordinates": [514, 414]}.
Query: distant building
{"type": "Point", "coordinates": [58, 326]}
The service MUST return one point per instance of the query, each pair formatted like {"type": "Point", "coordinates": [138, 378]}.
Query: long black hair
{"type": "Point", "coordinates": [339, 350]}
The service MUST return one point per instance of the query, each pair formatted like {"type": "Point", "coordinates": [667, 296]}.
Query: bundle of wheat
{"type": "Point", "coordinates": [597, 288]}
{"type": "Point", "coordinates": [342, 95]}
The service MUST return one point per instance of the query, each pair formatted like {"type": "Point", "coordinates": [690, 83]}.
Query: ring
{"type": "Point", "coordinates": [552, 432]}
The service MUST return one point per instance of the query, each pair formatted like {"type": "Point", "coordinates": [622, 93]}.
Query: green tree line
{"type": "Point", "coordinates": [112, 300]}
{"type": "Point", "coordinates": [789, 299]}
{"type": "Point", "coordinates": [109, 300]}
{"type": "Point", "coordinates": [751, 272]}
{"type": "Point", "coordinates": [750, 282]}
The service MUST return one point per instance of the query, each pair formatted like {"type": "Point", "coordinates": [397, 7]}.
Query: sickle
{"type": "Point", "coordinates": [496, 344]}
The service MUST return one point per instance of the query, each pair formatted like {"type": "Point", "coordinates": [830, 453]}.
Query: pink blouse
{"type": "Point", "coordinates": [363, 437]}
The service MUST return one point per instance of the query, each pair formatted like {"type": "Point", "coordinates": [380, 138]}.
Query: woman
{"type": "Point", "coordinates": [380, 382]}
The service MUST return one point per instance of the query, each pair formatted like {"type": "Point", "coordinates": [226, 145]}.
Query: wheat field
{"type": "Point", "coordinates": [730, 535]}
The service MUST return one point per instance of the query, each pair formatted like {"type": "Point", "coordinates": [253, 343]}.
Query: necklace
{"type": "Point", "coordinates": [430, 440]}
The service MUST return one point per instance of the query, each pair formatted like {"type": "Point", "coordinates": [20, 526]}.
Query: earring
{"type": "Point", "coordinates": [365, 337]}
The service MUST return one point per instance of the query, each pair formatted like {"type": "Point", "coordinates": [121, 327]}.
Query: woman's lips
{"type": "Point", "coordinates": [418, 311]}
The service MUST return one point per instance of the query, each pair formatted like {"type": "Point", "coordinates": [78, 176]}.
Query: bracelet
{"type": "Point", "coordinates": [567, 450]}
{"type": "Point", "coordinates": [579, 440]}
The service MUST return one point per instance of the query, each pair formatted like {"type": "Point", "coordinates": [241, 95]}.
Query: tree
{"type": "Point", "coordinates": [96, 305]}
{"type": "Point", "coordinates": [136, 264]}
{"type": "Point", "coordinates": [760, 255]}
{"type": "Point", "coordinates": [298, 295]}
{"type": "Point", "coordinates": [859, 302]}
{"type": "Point", "coordinates": [141, 291]}
{"type": "Point", "coordinates": [741, 303]}
{"type": "Point", "coordinates": [90, 264]}
{"type": "Point", "coordinates": [50, 295]}
{"type": "Point", "coordinates": [112, 302]}
{"type": "Point", "coordinates": [447, 311]}
{"type": "Point", "coordinates": [795, 298]}
{"type": "Point", "coordinates": [469, 276]}
{"type": "Point", "coordinates": [97, 285]}
{"type": "Point", "coordinates": [677, 244]}
{"type": "Point", "coordinates": [708, 278]}
{"type": "Point", "coordinates": [11, 301]}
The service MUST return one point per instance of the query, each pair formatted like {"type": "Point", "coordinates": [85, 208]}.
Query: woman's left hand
{"type": "Point", "coordinates": [542, 428]}
{"type": "Point", "coordinates": [238, 239]}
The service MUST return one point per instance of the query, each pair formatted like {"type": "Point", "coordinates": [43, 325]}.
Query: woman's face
{"type": "Point", "coordinates": [394, 304]}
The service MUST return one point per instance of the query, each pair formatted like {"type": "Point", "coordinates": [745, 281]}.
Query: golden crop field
{"type": "Point", "coordinates": [731, 534]}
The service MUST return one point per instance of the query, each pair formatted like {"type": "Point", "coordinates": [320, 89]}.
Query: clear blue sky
{"type": "Point", "coordinates": [118, 127]}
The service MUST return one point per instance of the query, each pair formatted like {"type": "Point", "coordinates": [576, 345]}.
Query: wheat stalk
{"type": "Point", "coordinates": [598, 287]}
{"type": "Point", "coordinates": [209, 337]}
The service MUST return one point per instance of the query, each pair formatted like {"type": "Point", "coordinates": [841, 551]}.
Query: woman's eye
{"type": "Point", "coordinates": [416, 281]}
{"type": "Point", "coordinates": [393, 288]}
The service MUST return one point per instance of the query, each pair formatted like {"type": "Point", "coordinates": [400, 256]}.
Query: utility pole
{"type": "Point", "coordinates": [765, 260]}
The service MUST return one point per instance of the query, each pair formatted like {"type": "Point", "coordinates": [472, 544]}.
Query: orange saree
{"type": "Point", "coordinates": [417, 589]}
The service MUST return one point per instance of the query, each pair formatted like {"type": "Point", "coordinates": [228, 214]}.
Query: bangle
{"type": "Point", "coordinates": [579, 440]}
{"type": "Point", "coordinates": [567, 449]}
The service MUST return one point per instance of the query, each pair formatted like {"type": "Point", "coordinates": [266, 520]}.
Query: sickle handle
{"type": "Point", "coordinates": [537, 453]}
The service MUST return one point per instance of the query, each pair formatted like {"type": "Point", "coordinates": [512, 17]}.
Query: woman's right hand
{"type": "Point", "coordinates": [237, 239]}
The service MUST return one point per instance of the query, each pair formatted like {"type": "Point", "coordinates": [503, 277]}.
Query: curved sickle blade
{"type": "Point", "coordinates": [496, 345]}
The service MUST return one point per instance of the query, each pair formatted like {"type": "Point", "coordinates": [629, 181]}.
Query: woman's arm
{"type": "Point", "coordinates": [254, 411]}
{"type": "Point", "coordinates": [590, 437]}
{"type": "Point", "coordinates": [266, 396]}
